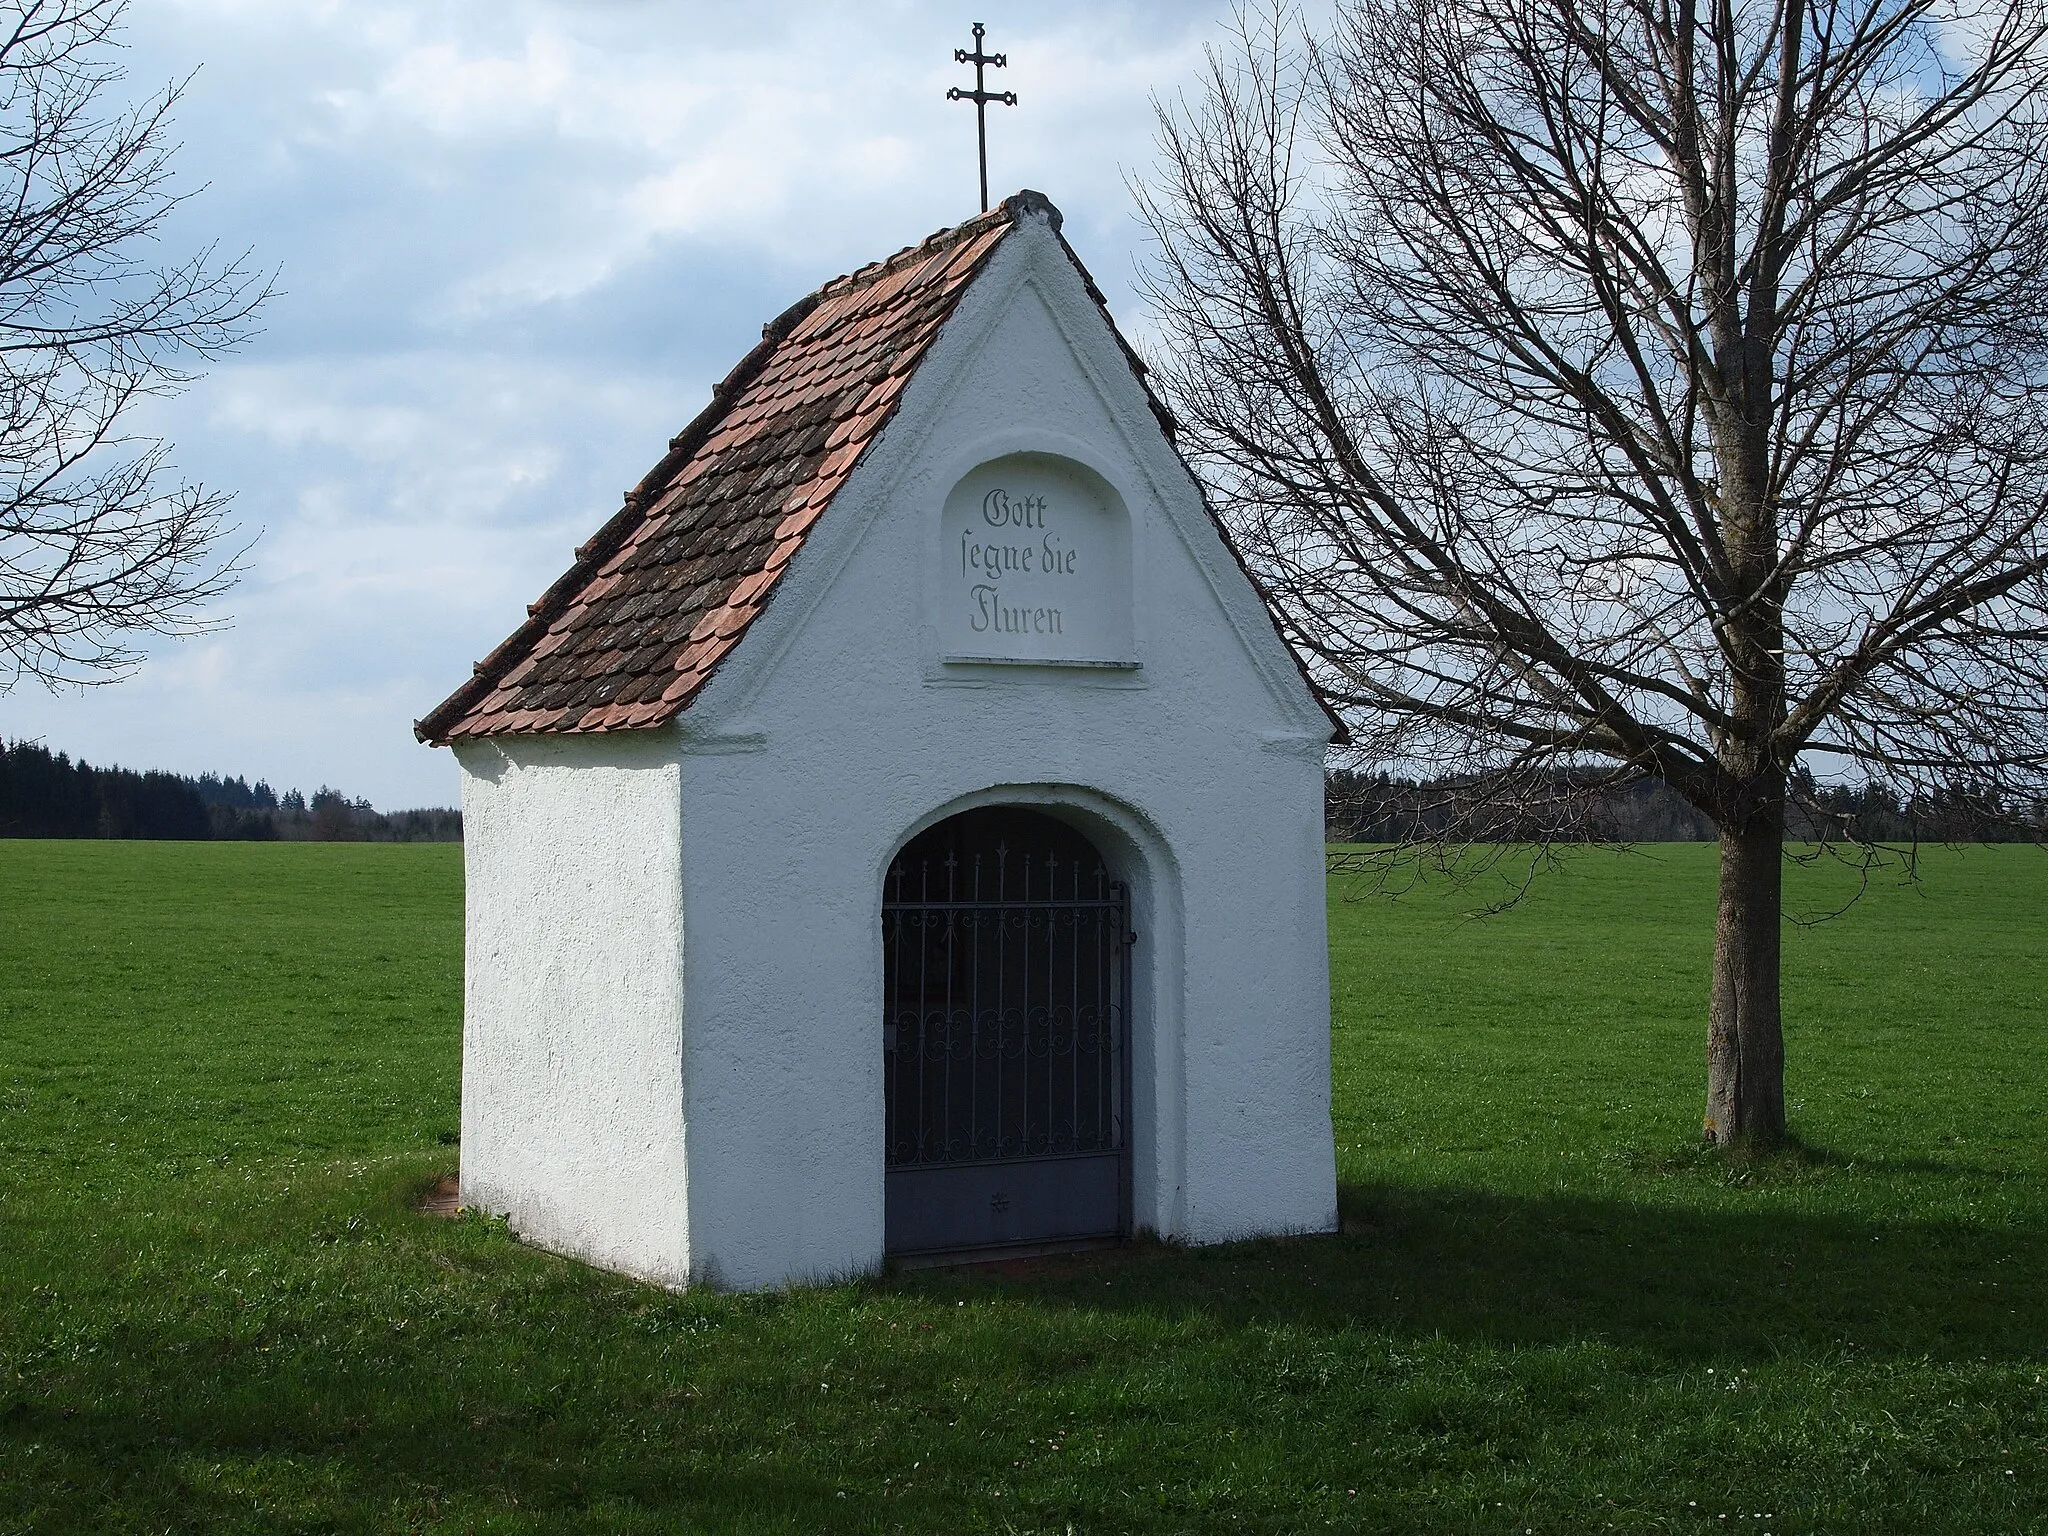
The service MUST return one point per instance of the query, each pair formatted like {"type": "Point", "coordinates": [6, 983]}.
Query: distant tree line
{"type": "Point", "coordinates": [45, 794]}
{"type": "Point", "coordinates": [1366, 807]}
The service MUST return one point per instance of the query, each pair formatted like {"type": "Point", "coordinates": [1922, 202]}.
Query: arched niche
{"type": "Point", "coordinates": [1006, 991]}
{"type": "Point", "coordinates": [1034, 566]}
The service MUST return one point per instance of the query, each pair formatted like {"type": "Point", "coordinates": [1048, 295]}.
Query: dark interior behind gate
{"type": "Point", "coordinates": [1004, 1037]}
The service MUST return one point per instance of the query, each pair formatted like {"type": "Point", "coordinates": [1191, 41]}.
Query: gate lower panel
{"type": "Point", "coordinates": [988, 1205]}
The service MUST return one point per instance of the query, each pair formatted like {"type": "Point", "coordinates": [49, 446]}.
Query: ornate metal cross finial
{"type": "Point", "coordinates": [981, 98]}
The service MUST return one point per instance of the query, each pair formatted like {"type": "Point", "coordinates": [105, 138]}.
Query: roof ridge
{"type": "Point", "coordinates": [938, 240]}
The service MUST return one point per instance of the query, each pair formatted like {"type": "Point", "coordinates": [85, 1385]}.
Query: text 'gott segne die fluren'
{"type": "Point", "coordinates": [1015, 541]}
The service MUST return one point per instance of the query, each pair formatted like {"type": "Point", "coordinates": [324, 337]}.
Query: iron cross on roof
{"type": "Point", "coordinates": [981, 98]}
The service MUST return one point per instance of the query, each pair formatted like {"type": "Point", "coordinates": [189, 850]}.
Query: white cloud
{"type": "Point", "coordinates": [518, 240]}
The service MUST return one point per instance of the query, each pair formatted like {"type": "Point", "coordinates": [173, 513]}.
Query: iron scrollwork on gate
{"type": "Point", "coordinates": [1004, 1027]}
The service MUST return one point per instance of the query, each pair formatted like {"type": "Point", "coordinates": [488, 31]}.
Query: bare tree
{"type": "Point", "coordinates": [99, 540]}
{"type": "Point", "coordinates": [1642, 383]}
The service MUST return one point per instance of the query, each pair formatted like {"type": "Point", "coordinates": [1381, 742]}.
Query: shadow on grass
{"type": "Point", "coordinates": [1794, 1160]}
{"type": "Point", "coordinates": [1682, 1284]}
{"type": "Point", "coordinates": [442, 1378]}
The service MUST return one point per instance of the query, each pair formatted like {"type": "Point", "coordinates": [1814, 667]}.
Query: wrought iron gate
{"type": "Point", "coordinates": [1005, 1037]}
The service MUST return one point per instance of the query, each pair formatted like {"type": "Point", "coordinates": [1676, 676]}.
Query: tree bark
{"type": "Point", "coordinates": [1745, 1041]}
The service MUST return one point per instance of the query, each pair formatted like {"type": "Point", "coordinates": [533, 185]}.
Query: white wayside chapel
{"type": "Point", "coordinates": [900, 832]}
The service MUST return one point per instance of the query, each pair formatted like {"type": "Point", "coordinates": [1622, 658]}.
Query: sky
{"type": "Point", "coordinates": [516, 242]}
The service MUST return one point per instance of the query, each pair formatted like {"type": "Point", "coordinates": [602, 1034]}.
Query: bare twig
{"type": "Point", "coordinates": [100, 542]}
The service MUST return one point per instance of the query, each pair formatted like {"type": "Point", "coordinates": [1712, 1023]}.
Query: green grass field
{"type": "Point", "coordinates": [226, 1072]}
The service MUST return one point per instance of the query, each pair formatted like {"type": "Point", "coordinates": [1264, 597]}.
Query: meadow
{"type": "Point", "coordinates": [228, 1072]}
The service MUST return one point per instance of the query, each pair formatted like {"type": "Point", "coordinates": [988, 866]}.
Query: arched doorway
{"type": "Point", "coordinates": [1005, 1037]}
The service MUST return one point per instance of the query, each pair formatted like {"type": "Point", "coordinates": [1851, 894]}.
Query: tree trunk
{"type": "Point", "coordinates": [1745, 1044]}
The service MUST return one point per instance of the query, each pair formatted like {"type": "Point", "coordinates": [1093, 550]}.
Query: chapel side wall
{"type": "Point", "coordinates": [572, 1103]}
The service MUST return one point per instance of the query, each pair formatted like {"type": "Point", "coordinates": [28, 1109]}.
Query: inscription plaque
{"type": "Point", "coordinates": [1034, 565]}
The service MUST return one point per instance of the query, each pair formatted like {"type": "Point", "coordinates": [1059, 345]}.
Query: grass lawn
{"type": "Point", "coordinates": [226, 1071]}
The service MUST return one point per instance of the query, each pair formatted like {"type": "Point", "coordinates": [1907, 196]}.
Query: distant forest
{"type": "Point", "coordinates": [48, 795]}
{"type": "Point", "coordinates": [45, 794]}
{"type": "Point", "coordinates": [1377, 808]}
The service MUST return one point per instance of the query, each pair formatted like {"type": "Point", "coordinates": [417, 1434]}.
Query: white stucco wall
{"type": "Point", "coordinates": [572, 1099]}
{"type": "Point", "coordinates": [835, 732]}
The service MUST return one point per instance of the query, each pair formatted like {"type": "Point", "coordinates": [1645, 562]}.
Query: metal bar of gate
{"type": "Point", "coordinates": [973, 1031]}
{"type": "Point", "coordinates": [1024, 1030]}
{"type": "Point", "coordinates": [1120, 1107]}
{"type": "Point", "coordinates": [1074, 1020]}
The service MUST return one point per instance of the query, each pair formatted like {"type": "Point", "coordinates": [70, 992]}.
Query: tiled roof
{"type": "Point", "coordinates": [654, 602]}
